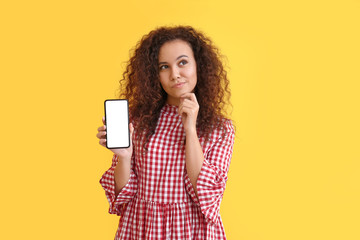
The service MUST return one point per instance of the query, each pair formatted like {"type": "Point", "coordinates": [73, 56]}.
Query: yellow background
{"type": "Point", "coordinates": [294, 71]}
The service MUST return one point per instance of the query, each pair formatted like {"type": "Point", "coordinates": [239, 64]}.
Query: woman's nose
{"type": "Point", "coordinates": [175, 74]}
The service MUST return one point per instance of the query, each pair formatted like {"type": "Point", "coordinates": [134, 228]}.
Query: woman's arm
{"type": "Point", "coordinates": [121, 174]}
{"type": "Point", "coordinates": [119, 181]}
{"type": "Point", "coordinates": [123, 166]}
{"type": "Point", "coordinates": [194, 156]}
{"type": "Point", "coordinates": [123, 156]}
{"type": "Point", "coordinates": [205, 178]}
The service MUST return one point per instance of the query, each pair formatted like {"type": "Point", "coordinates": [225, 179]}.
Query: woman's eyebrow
{"type": "Point", "coordinates": [181, 56]}
{"type": "Point", "coordinates": [176, 58]}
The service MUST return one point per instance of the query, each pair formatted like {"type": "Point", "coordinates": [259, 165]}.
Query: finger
{"type": "Point", "coordinates": [187, 109]}
{"type": "Point", "coordinates": [102, 128]}
{"type": "Point", "coordinates": [102, 142]}
{"type": "Point", "coordinates": [193, 97]}
{"type": "Point", "coordinates": [186, 95]}
{"type": "Point", "coordinates": [189, 104]}
{"type": "Point", "coordinates": [131, 130]}
{"type": "Point", "coordinates": [190, 112]}
{"type": "Point", "coordinates": [183, 97]}
{"type": "Point", "coordinates": [185, 100]}
{"type": "Point", "coordinates": [190, 96]}
{"type": "Point", "coordinates": [101, 134]}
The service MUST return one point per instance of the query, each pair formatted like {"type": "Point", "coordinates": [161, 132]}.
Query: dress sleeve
{"type": "Point", "coordinates": [107, 181]}
{"type": "Point", "coordinates": [213, 175]}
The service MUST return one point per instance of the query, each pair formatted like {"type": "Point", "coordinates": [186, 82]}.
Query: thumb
{"type": "Point", "coordinates": [131, 130]}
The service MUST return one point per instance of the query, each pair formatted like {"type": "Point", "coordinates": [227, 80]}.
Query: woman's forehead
{"type": "Point", "coordinates": [173, 49]}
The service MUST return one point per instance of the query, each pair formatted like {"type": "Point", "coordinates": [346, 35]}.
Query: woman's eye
{"type": "Point", "coordinates": [183, 62]}
{"type": "Point", "coordinates": [162, 67]}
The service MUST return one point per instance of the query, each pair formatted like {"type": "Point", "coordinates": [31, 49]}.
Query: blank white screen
{"type": "Point", "coordinates": [117, 123]}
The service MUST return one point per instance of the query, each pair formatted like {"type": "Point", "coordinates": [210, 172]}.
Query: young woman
{"type": "Point", "coordinates": [169, 183]}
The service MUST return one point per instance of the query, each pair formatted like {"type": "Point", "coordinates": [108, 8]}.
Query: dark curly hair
{"type": "Point", "coordinates": [141, 85]}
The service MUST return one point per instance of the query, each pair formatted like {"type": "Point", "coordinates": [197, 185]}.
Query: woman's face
{"type": "Point", "coordinates": [177, 70]}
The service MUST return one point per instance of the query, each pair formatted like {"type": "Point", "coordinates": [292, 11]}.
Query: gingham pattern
{"type": "Point", "coordinates": [159, 201]}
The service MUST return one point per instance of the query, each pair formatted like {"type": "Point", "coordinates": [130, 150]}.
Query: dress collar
{"type": "Point", "coordinates": [170, 109]}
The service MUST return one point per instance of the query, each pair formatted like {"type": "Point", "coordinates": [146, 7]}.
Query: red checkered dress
{"type": "Point", "coordinates": [159, 201]}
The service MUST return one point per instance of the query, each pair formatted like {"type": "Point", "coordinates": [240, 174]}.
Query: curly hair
{"type": "Point", "coordinates": [141, 85]}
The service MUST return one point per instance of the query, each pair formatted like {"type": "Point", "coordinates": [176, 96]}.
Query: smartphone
{"type": "Point", "coordinates": [117, 123]}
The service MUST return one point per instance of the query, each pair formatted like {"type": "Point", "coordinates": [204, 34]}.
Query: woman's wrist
{"type": "Point", "coordinates": [122, 174]}
{"type": "Point", "coordinates": [191, 132]}
{"type": "Point", "coordinates": [122, 158]}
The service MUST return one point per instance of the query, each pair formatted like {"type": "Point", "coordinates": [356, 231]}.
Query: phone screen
{"type": "Point", "coordinates": [117, 123]}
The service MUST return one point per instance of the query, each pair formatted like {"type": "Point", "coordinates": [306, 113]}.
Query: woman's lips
{"type": "Point", "coordinates": [179, 85]}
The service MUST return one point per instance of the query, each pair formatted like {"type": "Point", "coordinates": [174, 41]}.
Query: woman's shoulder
{"type": "Point", "coordinates": [226, 125]}
{"type": "Point", "coordinates": [224, 128]}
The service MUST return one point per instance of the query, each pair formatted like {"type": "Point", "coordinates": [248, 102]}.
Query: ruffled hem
{"type": "Point", "coordinates": [144, 219]}
{"type": "Point", "coordinates": [212, 178]}
{"type": "Point", "coordinates": [210, 187]}
{"type": "Point", "coordinates": [107, 181]}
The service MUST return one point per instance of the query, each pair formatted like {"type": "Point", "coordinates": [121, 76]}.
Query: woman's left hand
{"type": "Point", "coordinates": [188, 110]}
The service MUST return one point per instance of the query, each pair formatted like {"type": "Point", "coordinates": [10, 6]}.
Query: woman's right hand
{"type": "Point", "coordinates": [122, 153]}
